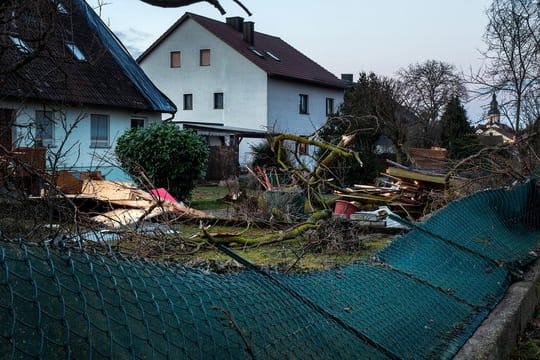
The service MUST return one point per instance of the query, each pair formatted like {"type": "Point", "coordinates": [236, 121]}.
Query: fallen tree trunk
{"type": "Point", "coordinates": [313, 223]}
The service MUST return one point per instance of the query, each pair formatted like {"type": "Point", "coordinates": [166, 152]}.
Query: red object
{"type": "Point", "coordinates": [163, 195]}
{"type": "Point", "coordinates": [345, 208]}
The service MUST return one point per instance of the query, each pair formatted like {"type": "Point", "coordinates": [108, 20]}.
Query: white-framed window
{"type": "Point", "coordinates": [137, 123]}
{"type": "Point", "coordinates": [303, 107]}
{"type": "Point", "coordinates": [176, 59]}
{"type": "Point", "coordinates": [218, 100]}
{"type": "Point", "coordinates": [77, 53]}
{"type": "Point", "coordinates": [99, 131]}
{"type": "Point", "coordinates": [44, 123]}
{"type": "Point", "coordinates": [205, 57]}
{"type": "Point", "coordinates": [188, 101]}
{"type": "Point", "coordinates": [329, 106]}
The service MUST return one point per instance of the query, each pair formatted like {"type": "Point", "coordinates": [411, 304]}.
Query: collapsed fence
{"type": "Point", "coordinates": [421, 297]}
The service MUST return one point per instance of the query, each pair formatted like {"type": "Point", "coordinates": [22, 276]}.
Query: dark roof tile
{"type": "Point", "coordinates": [53, 73]}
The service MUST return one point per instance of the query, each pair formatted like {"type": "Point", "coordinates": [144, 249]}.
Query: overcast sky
{"type": "Point", "coordinates": [344, 36]}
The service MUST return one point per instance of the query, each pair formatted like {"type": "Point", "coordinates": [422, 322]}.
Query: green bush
{"type": "Point", "coordinates": [171, 157]}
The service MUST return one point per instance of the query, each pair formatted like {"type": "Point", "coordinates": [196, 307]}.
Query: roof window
{"type": "Point", "coordinates": [20, 44]}
{"type": "Point", "coordinates": [256, 52]}
{"type": "Point", "coordinates": [60, 7]}
{"type": "Point", "coordinates": [272, 56]}
{"type": "Point", "coordinates": [77, 53]}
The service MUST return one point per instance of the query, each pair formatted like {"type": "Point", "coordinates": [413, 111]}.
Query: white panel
{"type": "Point", "coordinates": [242, 83]}
{"type": "Point", "coordinates": [283, 106]}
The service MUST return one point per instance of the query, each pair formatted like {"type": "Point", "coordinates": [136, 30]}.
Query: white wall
{"type": "Point", "coordinates": [283, 106]}
{"type": "Point", "coordinates": [73, 151]}
{"type": "Point", "coordinates": [242, 83]}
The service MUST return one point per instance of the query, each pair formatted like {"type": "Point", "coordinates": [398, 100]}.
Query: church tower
{"type": "Point", "coordinates": [494, 114]}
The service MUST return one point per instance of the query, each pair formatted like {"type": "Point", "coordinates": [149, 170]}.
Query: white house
{"type": "Point", "coordinates": [228, 76]}
{"type": "Point", "coordinates": [68, 85]}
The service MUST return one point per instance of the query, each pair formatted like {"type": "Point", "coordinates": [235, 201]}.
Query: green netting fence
{"type": "Point", "coordinates": [421, 297]}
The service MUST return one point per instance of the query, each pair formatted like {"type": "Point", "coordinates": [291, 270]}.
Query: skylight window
{"type": "Point", "coordinates": [257, 52]}
{"type": "Point", "coordinates": [273, 56]}
{"type": "Point", "coordinates": [77, 53]}
{"type": "Point", "coordinates": [60, 7]}
{"type": "Point", "coordinates": [21, 45]}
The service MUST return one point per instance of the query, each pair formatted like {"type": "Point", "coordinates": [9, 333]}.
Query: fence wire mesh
{"type": "Point", "coordinates": [421, 297]}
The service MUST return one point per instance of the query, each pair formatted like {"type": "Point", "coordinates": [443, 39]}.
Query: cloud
{"type": "Point", "coordinates": [134, 40]}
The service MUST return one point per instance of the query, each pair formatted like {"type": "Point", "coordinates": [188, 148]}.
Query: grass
{"type": "Point", "coordinates": [209, 197]}
{"type": "Point", "coordinates": [529, 343]}
{"type": "Point", "coordinates": [294, 255]}
{"type": "Point", "coordinates": [299, 254]}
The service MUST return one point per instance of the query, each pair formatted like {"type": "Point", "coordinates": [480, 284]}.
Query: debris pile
{"type": "Point", "coordinates": [132, 204]}
{"type": "Point", "coordinates": [408, 192]}
{"type": "Point", "coordinates": [126, 204]}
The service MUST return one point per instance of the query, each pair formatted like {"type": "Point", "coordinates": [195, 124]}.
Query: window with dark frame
{"type": "Point", "coordinates": [329, 106]}
{"type": "Point", "coordinates": [99, 131]}
{"type": "Point", "coordinates": [205, 57]}
{"type": "Point", "coordinates": [44, 128]}
{"type": "Point", "coordinates": [137, 123]}
{"type": "Point", "coordinates": [188, 101]}
{"type": "Point", "coordinates": [218, 100]}
{"type": "Point", "coordinates": [176, 59]}
{"type": "Point", "coordinates": [303, 108]}
{"type": "Point", "coordinates": [303, 149]}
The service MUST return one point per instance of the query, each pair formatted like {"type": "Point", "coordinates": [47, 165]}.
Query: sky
{"type": "Point", "coordinates": [344, 36]}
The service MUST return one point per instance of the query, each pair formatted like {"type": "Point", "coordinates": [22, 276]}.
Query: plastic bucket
{"type": "Point", "coordinates": [345, 208]}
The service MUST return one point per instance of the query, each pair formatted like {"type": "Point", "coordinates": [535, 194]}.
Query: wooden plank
{"type": "Point", "coordinates": [414, 175]}
{"type": "Point", "coordinates": [108, 190]}
{"type": "Point", "coordinates": [123, 217]}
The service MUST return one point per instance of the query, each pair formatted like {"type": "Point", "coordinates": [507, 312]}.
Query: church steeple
{"type": "Point", "coordinates": [494, 114]}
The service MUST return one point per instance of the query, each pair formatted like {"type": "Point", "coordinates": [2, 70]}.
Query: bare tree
{"type": "Point", "coordinates": [512, 56]}
{"type": "Point", "coordinates": [427, 88]}
{"type": "Point", "coordinates": [380, 98]}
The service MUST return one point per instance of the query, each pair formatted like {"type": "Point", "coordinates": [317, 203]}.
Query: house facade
{"type": "Point", "coordinates": [69, 86]}
{"type": "Point", "coordinates": [226, 75]}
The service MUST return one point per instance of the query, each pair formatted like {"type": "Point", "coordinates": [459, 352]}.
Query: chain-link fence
{"type": "Point", "coordinates": [421, 297]}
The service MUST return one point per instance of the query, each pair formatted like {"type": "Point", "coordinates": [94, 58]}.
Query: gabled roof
{"type": "Point", "coordinates": [108, 75]}
{"type": "Point", "coordinates": [290, 64]}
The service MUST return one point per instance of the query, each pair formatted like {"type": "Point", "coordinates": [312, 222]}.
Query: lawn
{"type": "Point", "coordinates": [312, 251]}
{"type": "Point", "coordinates": [209, 197]}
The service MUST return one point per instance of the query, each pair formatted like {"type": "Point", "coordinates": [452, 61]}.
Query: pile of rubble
{"type": "Point", "coordinates": [125, 203]}
{"type": "Point", "coordinates": [406, 191]}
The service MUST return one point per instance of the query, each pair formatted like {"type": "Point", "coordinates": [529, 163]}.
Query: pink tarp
{"type": "Point", "coordinates": [163, 195]}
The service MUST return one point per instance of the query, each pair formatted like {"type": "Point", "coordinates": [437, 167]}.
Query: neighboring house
{"type": "Point", "coordinates": [226, 75]}
{"type": "Point", "coordinates": [494, 132]}
{"type": "Point", "coordinates": [68, 85]}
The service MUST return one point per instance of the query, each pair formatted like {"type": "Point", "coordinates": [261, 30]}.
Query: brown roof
{"type": "Point", "coordinates": [292, 64]}
{"type": "Point", "coordinates": [51, 72]}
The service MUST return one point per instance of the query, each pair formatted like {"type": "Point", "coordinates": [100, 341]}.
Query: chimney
{"type": "Point", "coordinates": [236, 22]}
{"type": "Point", "coordinates": [347, 79]}
{"type": "Point", "coordinates": [249, 32]}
